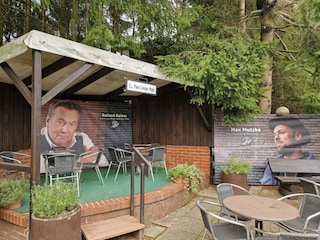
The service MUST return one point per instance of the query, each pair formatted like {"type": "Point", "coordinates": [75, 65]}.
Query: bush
{"type": "Point", "coordinates": [191, 174]}
{"type": "Point", "coordinates": [12, 189]}
{"type": "Point", "coordinates": [51, 201]}
{"type": "Point", "coordinates": [236, 166]}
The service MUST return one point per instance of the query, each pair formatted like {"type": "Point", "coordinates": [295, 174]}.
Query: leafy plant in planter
{"type": "Point", "coordinates": [55, 207]}
{"type": "Point", "coordinates": [12, 189]}
{"type": "Point", "coordinates": [235, 171]}
{"type": "Point", "coordinates": [52, 201]}
{"type": "Point", "coordinates": [236, 166]}
{"type": "Point", "coordinates": [190, 173]}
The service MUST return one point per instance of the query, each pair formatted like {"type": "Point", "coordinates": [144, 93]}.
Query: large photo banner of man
{"type": "Point", "coordinates": [268, 136]}
{"type": "Point", "coordinates": [85, 126]}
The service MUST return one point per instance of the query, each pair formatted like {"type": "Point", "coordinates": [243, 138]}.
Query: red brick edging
{"type": "Point", "coordinates": [158, 203]}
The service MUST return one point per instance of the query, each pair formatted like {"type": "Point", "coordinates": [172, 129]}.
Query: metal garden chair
{"type": "Point", "coordinates": [157, 155]}
{"type": "Point", "coordinates": [219, 227]}
{"type": "Point", "coordinates": [309, 186]}
{"type": "Point", "coordinates": [281, 235]}
{"type": "Point", "coordinates": [62, 166]}
{"type": "Point", "coordinates": [119, 158]}
{"type": "Point", "coordinates": [309, 211]}
{"type": "Point", "coordinates": [14, 158]}
{"type": "Point", "coordinates": [96, 155]}
{"type": "Point", "coordinates": [225, 190]}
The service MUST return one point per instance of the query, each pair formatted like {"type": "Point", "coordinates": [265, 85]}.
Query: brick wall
{"type": "Point", "coordinates": [198, 155]}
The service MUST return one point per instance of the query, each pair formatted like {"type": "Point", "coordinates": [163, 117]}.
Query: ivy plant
{"type": "Point", "coordinates": [190, 172]}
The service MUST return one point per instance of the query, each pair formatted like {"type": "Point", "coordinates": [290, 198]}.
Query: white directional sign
{"type": "Point", "coordinates": [141, 87]}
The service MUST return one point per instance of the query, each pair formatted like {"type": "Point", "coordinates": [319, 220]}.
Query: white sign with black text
{"type": "Point", "coordinates": [141, 87]}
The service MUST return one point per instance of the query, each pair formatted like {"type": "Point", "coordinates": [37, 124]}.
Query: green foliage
{"type": "Point", "coordinates": [236, 166]}
{"type": "Point", "coordinates": [202, 40]}
{"type": "Point", "coordinates": [191, 174]}
{"type": "Point", "coordinates": [311, 102]}
{"type": "Point", "coordinates": [12, 189]}
{"type": "Point", "coordinates": [52, 201]}
{"type": "Point", "coordinates": [224, 72]}
{"type": "Point", "coordinates": [128, 25]}
{"type": "Point", "coordinates": [311, 10]}
{"type": "Point", "coordinates": [100, 37]}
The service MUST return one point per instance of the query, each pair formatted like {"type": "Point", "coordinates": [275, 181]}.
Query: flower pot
{"type": "Point", "coordinates": [63, 226]}
{"type": "Point", "coordinates": [238, 179]}
{"type": "Point", "coordinates": [13, 205]}
{"type": "Point", "coordinates": [179, 180]}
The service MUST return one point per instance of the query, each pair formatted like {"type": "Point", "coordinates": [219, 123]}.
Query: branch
{"type": "Point", "coordinates": [284, 45]}
{"type": "Point", "coordinates": [258, 12]}
{"type": "Point", "coordinates": [287, 19]}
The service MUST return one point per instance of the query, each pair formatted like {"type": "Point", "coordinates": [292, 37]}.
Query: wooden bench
{"type": "Point", "coordinates": [288, 184]}
{"type": "Point", "coordinates": [113, 227]}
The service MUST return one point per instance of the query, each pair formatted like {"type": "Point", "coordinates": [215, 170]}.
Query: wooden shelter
{"type": "Point", "coordinates": [42, 66]}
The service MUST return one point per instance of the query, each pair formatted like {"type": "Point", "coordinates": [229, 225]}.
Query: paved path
{"type": "Point", "coordinates": [186, 223]}
{"type": "Point", "coordinates": [183, 224]}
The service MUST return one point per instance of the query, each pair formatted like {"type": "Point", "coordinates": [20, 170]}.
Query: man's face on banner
{"type": "Point", "coordinates": [285, 139]}
{"type": "Point", "coordinates": [62, 125]}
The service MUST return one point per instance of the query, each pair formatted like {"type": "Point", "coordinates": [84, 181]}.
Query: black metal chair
{"type": "Point", "coordinates": [219, 227]}
{"type": "Point", "coordinates": [94, 157]}
{"type": "Point", "coordinates": [309, 214]}
{"type": "Point", "coordinates": [119, 158]}
{"type": "Point", "coordinates": [225, 190]}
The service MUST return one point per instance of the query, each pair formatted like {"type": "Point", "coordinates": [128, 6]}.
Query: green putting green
{"type": "Point", "coordinates": [91, 189]}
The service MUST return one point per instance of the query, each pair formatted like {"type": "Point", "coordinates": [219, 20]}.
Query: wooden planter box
{"type": "Point", "coordinates": [238, 179]}
{"type": "Point", "coordinates": [64, 226]}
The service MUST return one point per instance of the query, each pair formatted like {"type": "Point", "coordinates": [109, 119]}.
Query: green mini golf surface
{"type": "Point", "coordinates": [91, 189]}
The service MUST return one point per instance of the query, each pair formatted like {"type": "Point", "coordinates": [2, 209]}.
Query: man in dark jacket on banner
{"type": "Point", "coordinates": [289, 136]}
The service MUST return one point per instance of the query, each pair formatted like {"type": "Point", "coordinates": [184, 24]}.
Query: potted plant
{"type": "Point", "coordinates": [55, 210]}
{"type": "Point", "coordinates": [190, 173]}
{"type": "Point", "coordinates": [235, 171]}
{"type": "Point", "coordinates": [12, 191]}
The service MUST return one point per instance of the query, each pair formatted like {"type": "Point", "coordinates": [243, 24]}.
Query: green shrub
{"type": "Point", "coordinates": [51, 201]}
{"type": "Point", "coordinates": [191, 174]}
{"type": "Point", "coordinates": [236, 166]}
{"type": "Point", "coordinates": [12, 189]}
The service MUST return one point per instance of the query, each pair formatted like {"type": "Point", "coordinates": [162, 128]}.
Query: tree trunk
{"type": "Point", "coordinates": [242, 6]}
{"type": "Point", "coordinates": [43, 16]}
{"type": "Point", "coordinates": [27, 13]}
{"type": "Point", "coordinates": [267, 30]}
{"type": "Point", "coordinates": [1, 21]}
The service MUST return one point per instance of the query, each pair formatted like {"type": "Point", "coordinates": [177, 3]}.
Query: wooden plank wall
{"type": "Point", "coordinates": [171, 119]}
{"type": "Point", "coordinates": [165, 119]}
{"type": "Point", "coordinates": [15, 120]}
